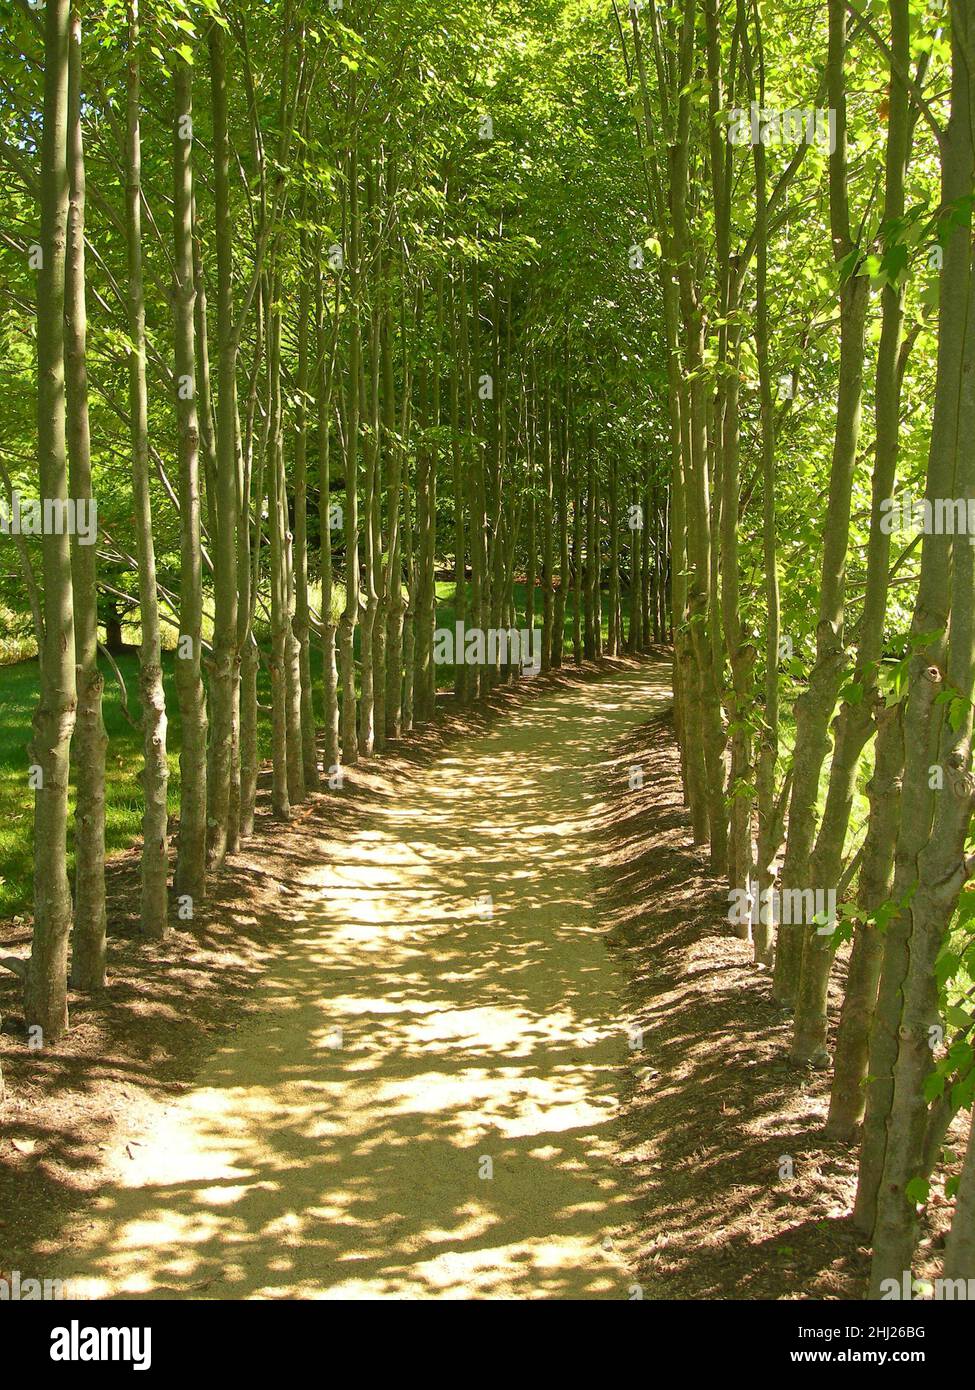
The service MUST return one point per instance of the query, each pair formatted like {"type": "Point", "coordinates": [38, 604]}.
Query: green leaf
{"type": "Point", "coordinates": [963, 1092]}
{"type": "Point", "coordinates": [917, 1191]}
{"type": "Point", "coordinates": [934, 1085]}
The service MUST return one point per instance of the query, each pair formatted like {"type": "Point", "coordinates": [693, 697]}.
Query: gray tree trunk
{"type": "Point", "coordinates": [45, 993]}
{"type": "Point", "coordinates": [155, 776]}
{"type": "Point", "coordinates": [190, 874]}
{"type": "Point", "coordinates": [90, 738]}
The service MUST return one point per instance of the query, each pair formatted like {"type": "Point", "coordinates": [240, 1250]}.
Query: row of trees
{"type": "Point", "coordinates": [817, 297]}
{"type": "Point", "coordinates": [329, 310]}
{"type": "Point", "coordinates": [632, 309]}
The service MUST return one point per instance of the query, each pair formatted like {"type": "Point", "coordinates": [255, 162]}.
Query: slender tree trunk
{"type": "Point", "coordinates": [251, 546]}
{"type": "Point", "coordinates": [302, 620]}
{"type": "Point", "coordinates": [591, 617]}
{"type": "Point", "coordinates": [562, 515]}
{"type": "Point", "coordinates": [208, 438]}
{"type": "Point", "coordinates": [741, 653]}
{"type": "Point", "coordinates": [190, 874]}
{"type": "Point", "coordinates": [350, 614]}
{"type": "Point", "coordinates": [960, 1245]}
{"type": "Point", "coordinates": [921, 712]}
{"type": "Point", "coordinates": [371, 486]}
{"type": "Point", "coordinates": [613, 640]}
{"type": "Point", "coordinates": [814, 708]}
{"type": "Point", "coordinates": [480, 548]}
{"type": "Point", "coordinates": [330, 675]}
{"type": "Point", "coordinates": [855, 721]}
{"type": "Point", "coordinates": [90, 739]}
{"type": "Point", "coordinates": [459, 377]}
{"type": "Point", "coordinates": [638, 518]}
{"type": "Point", "coordinates": [703, 683]}
{"type": "Point", "coordinates": [769, 830]}
{"type": "Point", "coordinates": [848, 1094]}
{"type": "Point", "coordinates": [687, 708]}
{"type": "Point", "coordinates": [282, 775]}
{"type": "Point", "coordinates": [597, 565]}
{"type": "Point", "coordinates": [531, 577]}
{"type": "Point", "coordinates": [547, 527]}
{"type": "Point", "coordinates": [225, 657]}
{"type": "Point", "coordinates": [421, 604]}
{"type": "Point", "coordinates": [577, 563]}
{"type": "Point", "coordinates": [399, 519]}
{"type": "Point", "coordinates": [941, 864]}
{"type": "Point", "coordinates": [387, 471]}
{"type": "Point", "coordinates": [394, 620]}
{"type": "Point", "coordinates": [408, 625]}
{"type": "Point", "coordinates": [292, 651]}
{"type": "Point", "coordinates": [45, 996]}
{"type": "Point", "coordinates": [155, 777]}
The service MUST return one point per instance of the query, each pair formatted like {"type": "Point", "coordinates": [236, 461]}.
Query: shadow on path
{"type": "Point", "coordinates": [425, 1103]}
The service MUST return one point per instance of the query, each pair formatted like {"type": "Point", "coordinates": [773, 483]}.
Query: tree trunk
{"type": "Point", "coordinates": [292, 652]}
{"type": "Point", "coordinates": [921, 713]}
{"type": "Point", "coordinates": [408, 625]}
{"type": "Point", "coordinates": [282, 771]}
{"type": "Point", "coordinates": [302, 621]}
{"type": "Point", "coordinates": [855, 721]}
{"type": "Point", "coordinates": [155, 777]}
{"type": "Point", "coordinates": [960, 1245]}
{"type": "Point", "coordinates": [251, 546]}
{"type": "Point", "coordinates": [371, 487]}
{"type": "Point", "coordinates": [548, 594]}
{"type": "Point", "coordinates": [847, 1097]}
{"type": "Point", "coordinates": [225, 656]}
{"type": "Point", "coordinates": [330, 674]}
{"type": "Point", "coordinates": [577, 562]}
{"type": "Point", "coordinates": [190, 874]}
{"type": "Point", "coordinates": [942, 866]}
{"type": "Point", "coordinates": [613, 642]}
{"type": "Point", "coordinates": [45, 995]}
{"type": "Point", "coordinates": [350, 614]}
{"type": "Point", "coordinates": [814, 708]}
{"type": "Point", "coordinates": [562, 514]}
{"type": "Point", "coordinates": [90, 739]}
{"type": "Point", "coordinates": [458, 377]}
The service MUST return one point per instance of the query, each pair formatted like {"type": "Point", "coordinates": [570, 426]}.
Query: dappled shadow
{"type": "Point", "coordinates": [146, 1032]}
{"type": "Point", "coordinates": [165, 1004]}
{"type": "Point", "coordinates": [740, 1194]}
{"type": "Point", "coordinates": [425, 1101]}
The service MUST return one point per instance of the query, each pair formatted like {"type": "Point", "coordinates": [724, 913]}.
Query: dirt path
{"type": "Point", "coordinates": [423, 1105]}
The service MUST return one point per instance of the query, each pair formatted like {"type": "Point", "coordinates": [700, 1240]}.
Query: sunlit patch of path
{"type": "Point", "coordinates": [423, 1105]}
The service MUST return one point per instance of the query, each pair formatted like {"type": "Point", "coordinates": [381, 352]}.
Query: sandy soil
{"type": "Point", "coordinates": [423, 1100]}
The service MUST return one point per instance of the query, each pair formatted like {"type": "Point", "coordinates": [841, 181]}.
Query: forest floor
{"type": "Point", "coordinates": [739, 1193]}
{"type": "Point", "coordinates": [398, 1060]}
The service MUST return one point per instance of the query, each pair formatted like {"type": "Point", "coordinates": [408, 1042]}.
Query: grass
{"type": "Point", "coordinates": [123, 790]}
{"type": "Point", "coordinates": [123, 808]}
